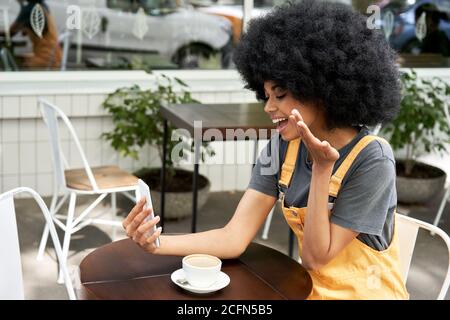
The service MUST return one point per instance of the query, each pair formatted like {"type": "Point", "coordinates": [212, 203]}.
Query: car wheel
{"type": "Point", "coordinates": [190, 61]}
{"type": "Point", "coordinates": [194, 57]}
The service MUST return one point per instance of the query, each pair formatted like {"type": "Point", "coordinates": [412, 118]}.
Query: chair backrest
{"type": "Point", "coordinates": [407, 229]}
{"type": "Point", "coordinates": [9, 64]}
{"type": "Point", "coordinates": [64, 38]}
{"type": "Point", "coordinates": [51, 113]}
{"type": "Point", "coordinates": [4, 23]}
{"type": "Point", "coordinates": [11, 281]}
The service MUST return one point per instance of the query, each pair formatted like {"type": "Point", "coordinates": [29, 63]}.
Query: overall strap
{"type": "Point", "coordinates": [287, 170]}
{"type": "Point", "coordinates": [336, 179]}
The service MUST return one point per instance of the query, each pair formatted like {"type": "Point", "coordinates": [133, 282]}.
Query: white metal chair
{"type": "Point", "coordinates": [64, 39]}
{"type": "Point", "coordinates": [407, 229]}
{"type": "Point", "coordinates": [11, 281]}
{"type": "Point", "coordinates": [99, 181]}
{"type": "Point", "coordinates": [4, 23]}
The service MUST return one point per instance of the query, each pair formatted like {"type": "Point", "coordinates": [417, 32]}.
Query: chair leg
{"type": "Point", "coordinates": [68, 234]}
{"type": "Point", "coordinates": [45, 233]}
{"type": "Point", "coordinates": [265, 234]}
{"type": "Point", "coordinates": [441, 209]}
{"type": "Point", "coordinates": [113, 213]}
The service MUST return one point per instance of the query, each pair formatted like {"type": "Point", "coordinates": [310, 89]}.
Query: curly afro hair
{"type": "Point", "coordinates": [323, 53]}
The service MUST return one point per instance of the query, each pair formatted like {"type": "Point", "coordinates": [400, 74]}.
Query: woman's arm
{"type": "Point", "coordinates": [227, 242]}
{"type": "Point", "coordinates": [322, 240]}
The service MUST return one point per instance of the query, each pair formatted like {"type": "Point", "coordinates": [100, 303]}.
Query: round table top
{"type": "Point", "coordinates": [122, 270]}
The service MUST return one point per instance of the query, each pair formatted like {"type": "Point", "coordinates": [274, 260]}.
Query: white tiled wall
{"type": "Point", "coordinates": [25, 156]}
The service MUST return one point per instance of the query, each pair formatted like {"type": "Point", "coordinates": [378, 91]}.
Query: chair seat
{"type": "Point", "coordinates": [107, 177]}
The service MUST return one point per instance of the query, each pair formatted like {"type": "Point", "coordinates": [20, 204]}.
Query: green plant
{"type": "Point", "coordinates": [137, 120]}
{"type": "Point", "coordinates": [422, 122]}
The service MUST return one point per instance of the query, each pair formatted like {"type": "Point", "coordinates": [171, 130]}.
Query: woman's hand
{"type": "Point", "coordinates": [322, 153]}
{"type": "Point", "coordinates": [137, 229]}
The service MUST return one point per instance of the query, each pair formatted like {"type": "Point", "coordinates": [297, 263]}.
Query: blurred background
{"type": "Point", "coordinates": [183, 34]}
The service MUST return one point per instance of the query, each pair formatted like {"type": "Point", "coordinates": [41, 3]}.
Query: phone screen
{"type": "Point", "coordinates": [144, 191]}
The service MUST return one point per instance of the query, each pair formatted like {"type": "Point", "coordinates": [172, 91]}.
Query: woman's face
{"type": "Point", "coordinates": [279, 105]}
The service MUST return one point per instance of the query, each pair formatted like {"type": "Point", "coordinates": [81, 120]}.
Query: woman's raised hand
{"type": "Point", "coordinates": [137, 229]}
{"type": "Point", "coordinates": [322, 153]}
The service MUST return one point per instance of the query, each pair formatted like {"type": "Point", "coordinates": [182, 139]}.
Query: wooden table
{"type": "Point", "coordinates": [122, 270]}
{"type": "Point", "coordinates": [220, 117]}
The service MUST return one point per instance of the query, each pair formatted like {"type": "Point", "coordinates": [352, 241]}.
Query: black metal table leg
{"type": "Point", "coordinates": [291, 243]}
{"type": "Point", "coordinates": [195, 185]}
{"type": "Point", "coordinates": [163, 173]}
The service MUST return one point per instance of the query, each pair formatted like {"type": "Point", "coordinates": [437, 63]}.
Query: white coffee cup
{"type": "Point", "coordinates": [201, 270]}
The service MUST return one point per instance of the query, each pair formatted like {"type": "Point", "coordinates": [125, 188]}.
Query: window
{"type": "Point", "coordinates": [434, 49]}
{"type": "Point", "coordinates": [124, 5]}
{"type": "Point", "coordinates": [172, 34]}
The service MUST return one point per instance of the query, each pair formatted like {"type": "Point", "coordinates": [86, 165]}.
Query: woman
{"type": "Point", "coordinates": [46, 49]}
{"type": "Point", "coordinates": [324, 77]}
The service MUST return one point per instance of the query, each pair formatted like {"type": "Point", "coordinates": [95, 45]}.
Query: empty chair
{"type": "Point", "coordinates": [72, 182]}
{"type": "Point", "coordinates": [407, 229]}
{"type": "Point", "coordinates": [11, 281]}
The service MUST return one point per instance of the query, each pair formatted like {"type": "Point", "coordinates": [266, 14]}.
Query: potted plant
{"type": "Point", "coordinates": [421, 126]}
{"type": "Point", "coordinates": [137, 122]}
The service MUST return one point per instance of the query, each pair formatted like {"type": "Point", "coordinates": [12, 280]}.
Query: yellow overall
{"type": "Point", "coordinates": [358, 271]}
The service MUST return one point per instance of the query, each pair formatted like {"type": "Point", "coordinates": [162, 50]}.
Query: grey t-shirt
{"type": "Point", "coordinates": [367, 199]}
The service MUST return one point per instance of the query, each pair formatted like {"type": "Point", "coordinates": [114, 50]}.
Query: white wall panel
{"type": "Point", "coordinates": [10, 155]}
{"type": "Point", "coordinates": [11, 107]}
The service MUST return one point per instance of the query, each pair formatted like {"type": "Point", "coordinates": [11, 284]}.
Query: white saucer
{"type": "Point", "coordinates": [221, 283]}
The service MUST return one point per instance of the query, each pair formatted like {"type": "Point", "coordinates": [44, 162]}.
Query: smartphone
{"type": "Point", "coordinates": [144, 191]}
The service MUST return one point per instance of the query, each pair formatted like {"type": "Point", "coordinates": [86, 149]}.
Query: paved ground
{"type": "Point", "coordinates": [427, 272]}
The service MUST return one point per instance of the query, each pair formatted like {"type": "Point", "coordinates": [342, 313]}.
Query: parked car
{"type": "Point", "coordinates": [403, 37]}
{"type": "Point", "coordinates": [233, 11]}
{"type": "Point", "coordinates": [168, 28]}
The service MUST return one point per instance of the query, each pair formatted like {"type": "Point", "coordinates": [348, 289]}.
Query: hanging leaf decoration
{"type": "Point", "coordinates": [91, 23]}
{"type": "Point", "coordinates": [388, 24]}
{"type": "Point", "coordinates": [37, 20]}
{"type": "Point", "coordinates": [140, 27]}
{"type": "Point", "coordinates": [421, 27]}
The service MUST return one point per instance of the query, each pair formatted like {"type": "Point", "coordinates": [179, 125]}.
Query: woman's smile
{"type": "Point", "coordinates": [279, 103]}
{"type": "Point", "coordinates": [281, 122]}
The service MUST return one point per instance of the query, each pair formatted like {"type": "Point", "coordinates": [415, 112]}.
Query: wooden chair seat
{"type": "Point", "coordinates": [107, 177]}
